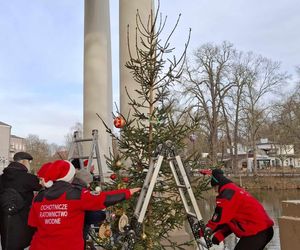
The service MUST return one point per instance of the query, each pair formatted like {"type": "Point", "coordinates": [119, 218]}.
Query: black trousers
{"type": "Point", "coordinates": [92, 217]}
{"type": "Point", "coordinates": [255, 242]}
{"type": "Point", "coordinates": [15, 233]}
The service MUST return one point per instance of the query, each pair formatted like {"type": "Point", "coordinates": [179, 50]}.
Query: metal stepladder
{"type": "Point", "coordinates": [76, 151]}
{"type": "Point", "coordinates": [194, 216]}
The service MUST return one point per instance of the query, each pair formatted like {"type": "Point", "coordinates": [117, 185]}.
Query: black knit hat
{"type": "Point", "coordinates": [22, 156]}
{"type": "Point", "coordinates": [218, 178]}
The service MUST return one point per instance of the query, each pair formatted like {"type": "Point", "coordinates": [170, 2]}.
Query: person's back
{"type": "Point", "coordinates": [16, 176]}
{"type": "Point", "coordinates": [244, 214]}
{"type": "Point", "coordinates": [57, 212]}
{"type": "Point", "coordinates": [15, 233]}
{"type": "Point", "coordinates": [239, 213]}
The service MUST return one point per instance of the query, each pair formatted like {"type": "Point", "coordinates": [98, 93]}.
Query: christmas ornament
{"type": "Point", "coordinates": [118, 164]}
{"type": "Point", "coordinates": [104, 231]}
{"type": "Point", "coordinates": [125, 179]}
{"type": "Point", "coordinates": [119, 122]}
{"type": "Point", "coordinates": [107, 233]}
{"type": "Point", "coordinates": [113, 176]}
{"type": "Point", "coordinates": [144, 236]}
{"type": "Point", "coordinates": [97, 189]}
{"type": "Point", "coordinates": [123, 221]}
{"type": "Point", "coordinates": [121, 186]}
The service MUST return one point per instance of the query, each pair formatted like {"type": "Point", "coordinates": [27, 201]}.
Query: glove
{"type": "Point", "coordinates": [215, 241]}
{"type": "Point", "coordinates": [207, 236]}
{"type": "Point", "coordinates": [217, 237]}
{"type": "Point", "coordinates": [205, 233]}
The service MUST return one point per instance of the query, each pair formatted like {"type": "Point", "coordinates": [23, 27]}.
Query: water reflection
{"type": "Point", "coordinates": [270, 199]}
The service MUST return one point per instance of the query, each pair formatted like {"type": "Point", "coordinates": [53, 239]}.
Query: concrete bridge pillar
{"type": "Point", "coordinates": [97, 74]}
{"type": "Point", "coordinates": [289, 225]}
{"type": "Point", "coordinates": [128, 11]}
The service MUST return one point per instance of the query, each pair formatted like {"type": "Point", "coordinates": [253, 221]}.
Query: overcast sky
{"type": "Point", "coordinates": [41, 51]}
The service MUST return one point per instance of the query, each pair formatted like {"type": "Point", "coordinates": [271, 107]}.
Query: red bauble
{"type": "Point", "coordinates": [119, 122]}
{"type": "Point", "coordinates": [125, 179]}
{"type": "Point", "coordinates": [113, 176]}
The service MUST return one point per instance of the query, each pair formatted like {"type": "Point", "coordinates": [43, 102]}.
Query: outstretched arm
{"type": "Point", "coordinates": [92, 201]}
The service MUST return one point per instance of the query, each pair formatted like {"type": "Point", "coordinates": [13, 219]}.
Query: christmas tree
{"type": "Point", "coordinates": [155, 118]}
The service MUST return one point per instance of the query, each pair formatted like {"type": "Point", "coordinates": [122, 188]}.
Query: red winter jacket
{"type": "Point", "coordinates": [241, 212]}
{"type": "Point", "coordinates": [58, 215]}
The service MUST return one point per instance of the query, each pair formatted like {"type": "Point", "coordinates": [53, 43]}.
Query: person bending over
{"type": "Point", "coordinates": [240, 213]}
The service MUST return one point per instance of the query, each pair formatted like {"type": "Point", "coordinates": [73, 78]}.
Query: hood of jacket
{"type": "Point", "coordinates": [57, 189]}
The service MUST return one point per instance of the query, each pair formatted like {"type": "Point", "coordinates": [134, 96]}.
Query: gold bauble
{"type": "Point", "coordinates": [118, 164]}
{"type": "Point", "coordinates": [121, 186]}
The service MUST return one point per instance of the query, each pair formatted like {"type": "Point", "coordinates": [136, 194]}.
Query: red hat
{"type": "Point", "coordinates": [59, 170]}
{"type": "Point", "coordinates": [43, 169]}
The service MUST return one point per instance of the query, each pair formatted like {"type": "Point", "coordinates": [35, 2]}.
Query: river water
{"type": "Point", "coordinates": [270, 199]}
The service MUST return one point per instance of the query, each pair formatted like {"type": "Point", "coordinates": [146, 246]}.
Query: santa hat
{"type": "Point", "coordinates": [59, 170]}
{"type": "Point", "coordinates": [43, 169]}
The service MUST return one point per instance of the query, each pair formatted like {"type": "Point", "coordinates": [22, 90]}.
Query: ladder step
{"type": "Point", "coordinates": [192, 214]}
{"type": "Point", "coordinates": [85, 157]}
{"type": "Point", "coordinates": [181, 186]}
{"type": "Point", "coordinates": [76, 151]}
{"type": "Point", "coordinates": [82, 140]}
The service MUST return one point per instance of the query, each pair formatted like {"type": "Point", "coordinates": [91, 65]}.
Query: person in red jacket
{"type": "Point", "coordinates": [240, 213]}
{"type": "Point", "coordinates": [57, 212]}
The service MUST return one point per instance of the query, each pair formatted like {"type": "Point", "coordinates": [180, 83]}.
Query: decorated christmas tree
{"type": "Point", "coordinates": [155, 118]}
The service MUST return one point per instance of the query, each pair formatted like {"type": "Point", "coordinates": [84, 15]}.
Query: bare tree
{"type": "Point", "coordinates": [264, 77]}
{"type": "Point", "coordinates": [39, 149]}
{"type": "Point", "coordinates": [286, 116]}
{"type": "Point", "coordinates": [207, 83]}
{"type": "Point", "coordinates": [232, 104]}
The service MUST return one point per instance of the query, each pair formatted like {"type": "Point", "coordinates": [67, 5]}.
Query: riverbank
{"type": "Point", "coordinates": [268, 182]}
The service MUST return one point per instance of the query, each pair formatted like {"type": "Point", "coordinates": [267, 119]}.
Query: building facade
{"type": "Point", "coordinates": [9, 145]}
{"type": "Point", "coordinates": [268, 154]}
{"type": "Point", "coordinates": [17, 144]}
{"type": "Point", "coordinates": [5, 130]}
{"type": "Point", "coordinates": [278, 155]}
